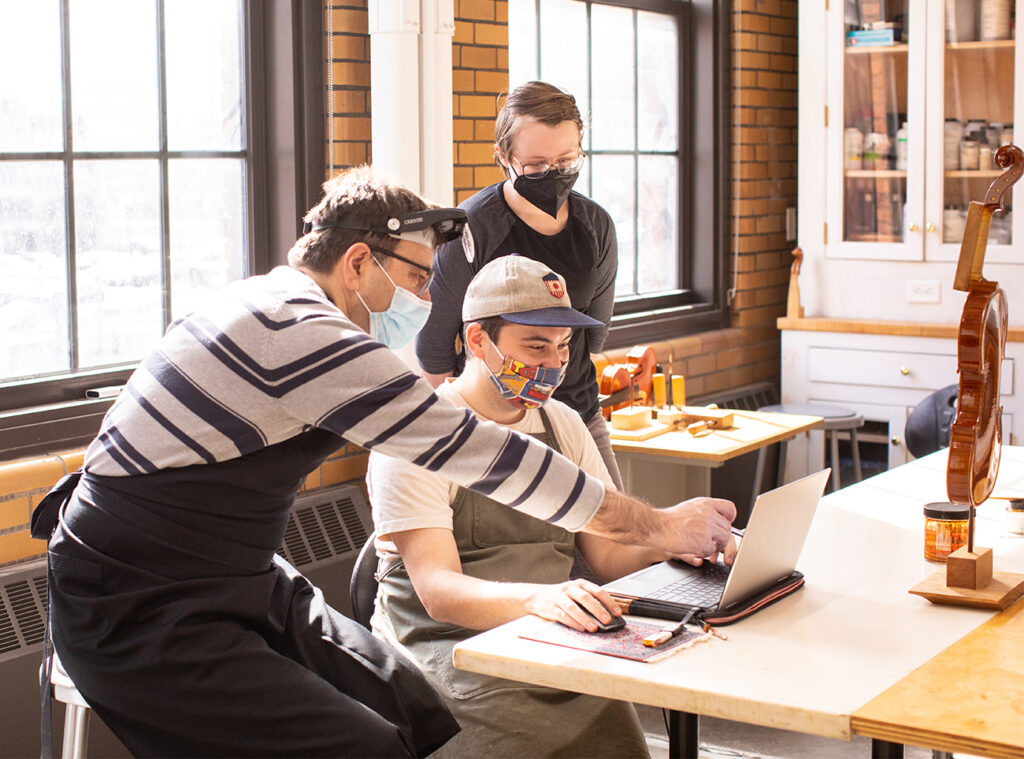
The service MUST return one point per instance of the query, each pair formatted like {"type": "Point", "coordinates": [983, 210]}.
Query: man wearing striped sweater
{"type": "Point", "coordinates": [171, 611]}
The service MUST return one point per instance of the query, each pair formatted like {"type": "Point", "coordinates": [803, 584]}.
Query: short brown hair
{"type": "Point", "coordinates": [363, 197]}
{"type": "Point", "coordinates": [539, 101]}
{"type": "Point", "coordinates": [491, 325]}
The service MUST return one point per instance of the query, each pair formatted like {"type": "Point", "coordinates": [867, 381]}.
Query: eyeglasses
{"type": "Point", "coordinates": [564, 167]}
{"type": "Point", "coordinates": [427, 270]}
{"type": "Point", "coordinates": [447, 224]}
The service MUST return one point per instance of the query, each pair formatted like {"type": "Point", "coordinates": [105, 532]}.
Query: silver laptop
{"type": "Point", "coordinates": [771, 545]}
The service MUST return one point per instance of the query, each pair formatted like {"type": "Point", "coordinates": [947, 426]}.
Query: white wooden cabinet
{"type": "Point", "coordinates": [880, 206]}
{"type": "Point", "coordinates": [889, 265]}
{"type": "Point", "coordinates": [881, 376]}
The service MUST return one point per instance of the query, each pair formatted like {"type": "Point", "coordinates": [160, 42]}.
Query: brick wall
{"type": "Point", "coordinates": [479, 76]}
{"type": "Point", "coordinates": [764, 179]}
{"type": "Point", "coordinates": [764, 170]}
{"type": "Point", "coordinates": [348, 84]}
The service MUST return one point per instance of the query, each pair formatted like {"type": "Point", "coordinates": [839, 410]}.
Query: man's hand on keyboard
{"type": "Point", "coordinates": [704, 526]}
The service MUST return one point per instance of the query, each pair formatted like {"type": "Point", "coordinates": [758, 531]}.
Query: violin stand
{"type": "Point", "coordinates": [968, 580]}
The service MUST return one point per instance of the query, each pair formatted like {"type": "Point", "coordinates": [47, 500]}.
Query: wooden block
{"type": "Point", "coordinates": [1003, 590]}
{"type": "Point", "coordinates": [669, 415]}
{"type": "Point", "coordinates": [965, 569]}
{"type": "Point", "coordinates": [631, 418]}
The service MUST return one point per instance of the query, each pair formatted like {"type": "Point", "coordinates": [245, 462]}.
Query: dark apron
{"type": "Point", "coordinates": [502, 717]}
{"type": "Point", "coordinates": [188, 636]}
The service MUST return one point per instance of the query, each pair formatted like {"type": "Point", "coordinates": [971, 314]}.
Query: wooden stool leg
{"type": "Point", "coordinates": [834, 455]}
{"type": "Point", "coordinates": [855, 447]}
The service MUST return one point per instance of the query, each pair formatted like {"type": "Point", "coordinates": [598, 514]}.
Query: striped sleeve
{"type": "Point", "coordinates": [374, 401]}
{"type": "Point", "coordinates": [272, 358]}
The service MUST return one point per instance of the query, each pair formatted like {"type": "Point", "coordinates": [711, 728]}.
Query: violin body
{"type": "Point", "coordinates": [976, 433]}
{"type": "Point", "coordinates": [631, 380]}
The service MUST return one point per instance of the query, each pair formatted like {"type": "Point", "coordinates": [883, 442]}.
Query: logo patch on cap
{"type": "Point", "coordinates": [554, 285]}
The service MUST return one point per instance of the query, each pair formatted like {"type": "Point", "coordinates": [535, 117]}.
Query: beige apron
{"type": "Point", "coordinates": [503, 718]}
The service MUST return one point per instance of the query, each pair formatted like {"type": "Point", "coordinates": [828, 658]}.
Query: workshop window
{"type": "Point", "coordinates": [151, 151]}
{"type": "Point", "coordinates": [122, 175]}
{"type": "Point", "coordinates": [632, 68]}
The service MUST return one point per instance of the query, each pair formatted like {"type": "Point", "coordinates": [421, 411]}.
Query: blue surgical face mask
{"type": "Point", "coordinates": [403, 319]}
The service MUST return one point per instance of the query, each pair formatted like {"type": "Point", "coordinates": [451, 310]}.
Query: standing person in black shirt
{"type": "Point", "coordinates": [535, 213]}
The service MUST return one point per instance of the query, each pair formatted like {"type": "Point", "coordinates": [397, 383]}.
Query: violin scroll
{"type": "Point", "coordinates": [1011, 158]}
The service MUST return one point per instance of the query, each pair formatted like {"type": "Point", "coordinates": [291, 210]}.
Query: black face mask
{"type": "Point", "coordinates": [549, 193]}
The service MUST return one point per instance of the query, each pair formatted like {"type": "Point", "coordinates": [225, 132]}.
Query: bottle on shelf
{"type": "Point", "coordinates": [969, 152]}
{"type": "Point", "coordinates": [953, 134]}
{"type": "Point", "coordinates": [953, 223]}
{"type": "Point", "coordinates": [1006, 135]}
{"type": "Point", "coordinates": [984, 157]}
{"type": "Point", "coordinates": [961, 20]}
{"type": "Point", "coordinates": [995, 20]}
{"type": "Point", "coordinates": [995, 129]}
{"type": "Point", "coordinates": [901, 147]}
{"type": "Point", "coordinates": [853, 148]}
{"type": "Point", "coordinates": [877, 147]}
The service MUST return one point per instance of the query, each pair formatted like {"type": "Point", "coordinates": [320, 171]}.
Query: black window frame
{"type": "Point", "coordinates": [285, 155]}
{"type": "Point", "coordinates": [699, 303]}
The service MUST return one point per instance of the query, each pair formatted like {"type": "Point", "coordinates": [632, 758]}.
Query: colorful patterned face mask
{"type": "Point", "coordinates": [525, 386]}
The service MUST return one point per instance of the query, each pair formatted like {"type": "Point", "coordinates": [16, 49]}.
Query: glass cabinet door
{"type": "Point", "coordinates": [876, 153]}
{"type": "Point", "coordinates": [972, 114]}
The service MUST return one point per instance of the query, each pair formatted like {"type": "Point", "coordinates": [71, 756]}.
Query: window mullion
{"type": "Point", "coordinates": [69, 188]}
{"type": "Point", "coordinates": [636, 155]}
{"type": "Point", "coordinates": [165, 232]}
{"type": "Point", "coordinates": [590, 89]}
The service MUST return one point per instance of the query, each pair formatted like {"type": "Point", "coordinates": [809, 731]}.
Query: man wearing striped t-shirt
{"type": "Point", "coordinates": [171, 612]}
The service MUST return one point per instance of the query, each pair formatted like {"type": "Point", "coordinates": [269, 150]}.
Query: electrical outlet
{"type": "Point", "coordinates": [923, 291]}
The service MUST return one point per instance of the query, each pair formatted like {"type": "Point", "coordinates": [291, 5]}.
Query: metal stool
{"type": "Point", "coordinates": [76, 716]}
{"type": "Point", "coordinates": [837, 419]}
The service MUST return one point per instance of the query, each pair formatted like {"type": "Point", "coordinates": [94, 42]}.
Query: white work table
{"type": "Point", "coordinates": [810, 661]}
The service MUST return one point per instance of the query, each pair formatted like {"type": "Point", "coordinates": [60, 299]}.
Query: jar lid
{"type": "Point", "coordinates": [1017, 504]}
{"type": "Point", "coordinates": [944, 510]}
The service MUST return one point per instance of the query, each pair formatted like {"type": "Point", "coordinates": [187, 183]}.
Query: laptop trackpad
{"type": "Point", "coordinates": [642, 583]}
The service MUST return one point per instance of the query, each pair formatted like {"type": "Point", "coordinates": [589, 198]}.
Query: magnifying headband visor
{"type": "Point", "coordinates": [420, 227]}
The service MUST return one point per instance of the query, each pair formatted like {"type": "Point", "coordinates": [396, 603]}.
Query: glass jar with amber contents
{"type": "Point", "coordinates": [945, 529]}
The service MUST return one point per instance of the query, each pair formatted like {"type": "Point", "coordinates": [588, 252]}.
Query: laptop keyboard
{"type": "Point", "coordinates": [702, 588]}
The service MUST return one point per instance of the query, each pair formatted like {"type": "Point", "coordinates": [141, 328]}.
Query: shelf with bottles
{"type": "Point", "coordinates": [988, 174]}
{"type": "Point", "coordinates": [894, 49]}
{"type": "Point", "coordinates": [875, 173]}
{"type": "Point", "coordinates": [974, 46]}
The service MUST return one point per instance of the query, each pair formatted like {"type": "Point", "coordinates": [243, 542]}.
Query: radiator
{"type": "Point", "coordinates": [325, 531]}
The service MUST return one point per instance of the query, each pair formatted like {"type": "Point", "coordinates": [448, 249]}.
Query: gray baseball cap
{"type": "Point", "coordinates": [522, 291]}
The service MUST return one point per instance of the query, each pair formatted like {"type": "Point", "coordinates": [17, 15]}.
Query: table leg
{"type": "Point", "coordinates": [755, 490]}
{"type": "Point", "coordinates": [781, 475]}
{"type": "Point", "coordinates": [683, 735]}
{"type": "Point", "coordinates": [885, 750]}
